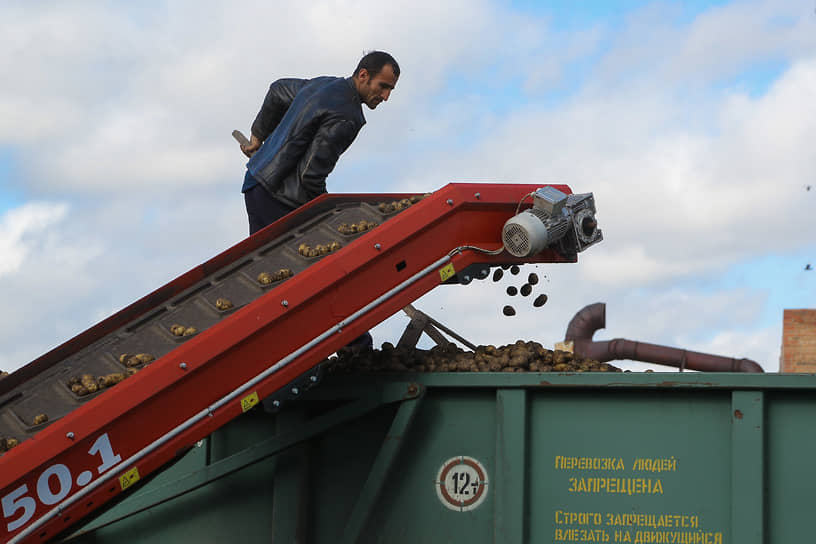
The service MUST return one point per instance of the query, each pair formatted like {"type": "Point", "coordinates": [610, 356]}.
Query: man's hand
{"type": "Point", "coordinates": [250, 148]}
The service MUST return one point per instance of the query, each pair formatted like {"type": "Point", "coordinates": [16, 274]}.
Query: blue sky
{"type": "Point", "coordinates": [690, 121]}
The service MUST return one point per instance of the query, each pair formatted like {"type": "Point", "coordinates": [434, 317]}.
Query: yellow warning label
{"type": "Point", "coordinates": [447, 272]}
{"type": "Point", "coordinates": [129, 478]}
{"type": "Point", "coordinates": [249, 401]}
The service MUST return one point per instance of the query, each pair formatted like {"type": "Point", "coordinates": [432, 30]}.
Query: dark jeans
{"type": "Point", "coordinates": [263, 209]}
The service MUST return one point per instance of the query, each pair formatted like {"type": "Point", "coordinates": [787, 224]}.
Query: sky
{"type": "Point", "coordinates": [693, 123]}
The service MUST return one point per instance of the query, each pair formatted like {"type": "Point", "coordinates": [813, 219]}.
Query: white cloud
{"type": "Point", "coordinates": [125, 112]}
{"type": "Point", "coordinates": [18, 227]}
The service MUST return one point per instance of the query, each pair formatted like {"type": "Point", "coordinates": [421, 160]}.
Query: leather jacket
{"type": "Point", "coordinates": [305, 125]}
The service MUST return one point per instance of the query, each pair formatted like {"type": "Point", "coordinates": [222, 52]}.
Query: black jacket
{"type": "Point", "coordinates": [305, 125]}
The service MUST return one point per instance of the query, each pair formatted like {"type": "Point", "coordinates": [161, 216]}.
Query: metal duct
{"type": "Point", "coordinates": [593, 317]}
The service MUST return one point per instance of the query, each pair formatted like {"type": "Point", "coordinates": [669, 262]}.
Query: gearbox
{"type": "Point", "coordinates": [557, 220]}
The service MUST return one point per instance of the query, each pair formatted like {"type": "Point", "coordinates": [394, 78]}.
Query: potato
{"type": "Point", "coordinates": [79, 389]}
{"type": "Point", "coordinates": [176, 329]}
{"type": "Point", "coordinates": [540, 301]}
{"type": "Point", "coordinates": [189, 331]}
{"type": "Point", "coordinates": [508, 311]}
{"type": "Point", "coordinates": [497, 274]}
{"type": "Point", "coordinates": [39, 419]}
{"type": "Point", "coordinates": [526, 289]}
{"type": "Point", "coordinates": [110, 379]}
{"type": "Point", "coordinates": [223, 303]}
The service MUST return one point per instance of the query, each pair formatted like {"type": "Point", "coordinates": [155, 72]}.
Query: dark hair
{"type": "Point", "coordinates": [374, 61]}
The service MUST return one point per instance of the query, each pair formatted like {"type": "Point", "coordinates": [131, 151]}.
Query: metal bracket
{"type": "Point", "coordinates": [422, 322]}
{"type": "Point", "coordinates": [294, 389]}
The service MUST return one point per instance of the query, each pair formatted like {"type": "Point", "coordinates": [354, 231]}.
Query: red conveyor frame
{"type": "Point", "coordinates": [190, 380]}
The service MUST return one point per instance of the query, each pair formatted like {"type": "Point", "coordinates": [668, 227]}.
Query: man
{"type": "Point", "coordinates": [302, 129]}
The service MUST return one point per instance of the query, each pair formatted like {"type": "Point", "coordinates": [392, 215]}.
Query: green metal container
{"type": "Point", "coordinates": [504, 458]}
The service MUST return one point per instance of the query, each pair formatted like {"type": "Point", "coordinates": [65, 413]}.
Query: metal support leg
{"type": "Point", "coordinates": [510, 482]}
{"type": "Point", "coordinates": [748, 467]}
{"type": "Point", "coordinates": [379, 471]}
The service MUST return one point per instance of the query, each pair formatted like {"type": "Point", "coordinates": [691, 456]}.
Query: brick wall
{"type": "Point", "coordinates": [798, 341]}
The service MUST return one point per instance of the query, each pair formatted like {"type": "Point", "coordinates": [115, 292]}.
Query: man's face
{"type": "Point", "coordinates": [374, 90]}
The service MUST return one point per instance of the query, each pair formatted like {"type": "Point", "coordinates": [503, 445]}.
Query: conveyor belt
{"type": "Point", "coordinates": [94, 447]}
{"type": "Point", "coordinates": [49, 393]}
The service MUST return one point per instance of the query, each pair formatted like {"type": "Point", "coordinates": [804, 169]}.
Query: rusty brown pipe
{"type": "Point", "coordinates": [593, 317]}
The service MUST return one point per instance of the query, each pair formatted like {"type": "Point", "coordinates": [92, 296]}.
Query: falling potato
{"type": "Point", "coordinates": [514, 270]}
{"type": "Point", "coordinates": [526, 289]}
{"type": "Point", "coordinates": [511, 291]}
{"type": "Point", "coordinates": [508, 310]}
{"type": "Point", "coordinates": [497, 274]}
{"type": "Point", "coordinates": [40, 418]}
{"type": "Point", "coordinates": [532, 279]}
{"type": "Point", "coordinates": [540, 301]}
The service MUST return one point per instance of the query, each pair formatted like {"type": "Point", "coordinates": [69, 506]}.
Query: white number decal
{"type": "Point", "coordinates": [44, 490]}
{"type": "Point", "coordinates": [19, 500]}
{"type": "Point", "coordinates": [11, 504]}
{"type": "Point", "coordinates": [103, 447]}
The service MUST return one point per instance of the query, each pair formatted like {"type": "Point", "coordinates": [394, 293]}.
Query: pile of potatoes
{"type": "Point", "coordinates": [355, 228]}
{"type": "Point", "coordinates": [223, 303]}
{"type": "Point", "coordinates": [519, 357]}
{"type": "Point", "coordinates": [139, 359]}
{"type": "Point", "coordinates": [319, 250]}
{"type": "Point", "coordinates": [88, 383]}
{"type": "Point", "coordinates": [181, 330]}
{"type": "Point", "coordinates": [265, 278]}
{"type": "Point", "coordinates": [398, 205]}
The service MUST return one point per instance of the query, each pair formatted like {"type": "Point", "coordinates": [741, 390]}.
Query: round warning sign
{"type": "Point", "coordinates": [461, 483]}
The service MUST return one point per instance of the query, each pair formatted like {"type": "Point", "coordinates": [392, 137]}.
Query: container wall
{"type": "Point", "coordinates": [725, 458]}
